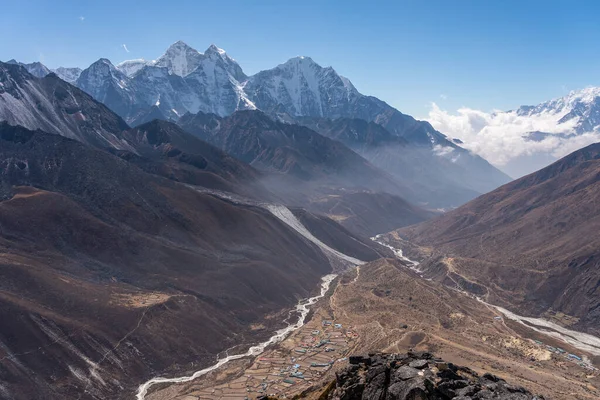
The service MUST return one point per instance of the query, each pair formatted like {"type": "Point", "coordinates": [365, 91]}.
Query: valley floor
{"type": "Point", "coordinates": [385, 306]}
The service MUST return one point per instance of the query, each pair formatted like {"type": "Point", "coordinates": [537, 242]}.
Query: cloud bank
{"type": "Point", "coordinates": [502, 137]}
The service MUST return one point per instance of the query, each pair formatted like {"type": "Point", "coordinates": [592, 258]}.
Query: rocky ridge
{"type": "Point", "coordinates": [418, 376]}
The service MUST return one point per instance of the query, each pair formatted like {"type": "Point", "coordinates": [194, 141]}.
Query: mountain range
{"type": "Point", "coordinates": [530, 137]}
{"type": "Point", "coordinates": [439, 173]}
{"type": "Point", "coordinates": [288, 156]}
{"type": "Point", "coordinates": [577, 113]}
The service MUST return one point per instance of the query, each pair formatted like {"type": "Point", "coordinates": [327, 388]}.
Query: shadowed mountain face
{"type": "Point", "coordinates": [254, 138]}
{"type": "Point", "coordinates": [55, 106]}
{"type": "Point", "coordinates": [110, 275]}
{"type": "Point", "coordinates": [533, 242]}
{"type": "Point", "coordinates": [165, 149]}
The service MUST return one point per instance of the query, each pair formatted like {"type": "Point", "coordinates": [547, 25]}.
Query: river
{"type": "Point", "coordinates": [582, 341]}
{"type": "Point", "coordinates": [303, 307]}
{"type": "Point", "coordinates": [287, 217]}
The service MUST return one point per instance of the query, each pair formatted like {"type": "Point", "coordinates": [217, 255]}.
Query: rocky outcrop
{"type": "Point", "coordinates": [418, 376]}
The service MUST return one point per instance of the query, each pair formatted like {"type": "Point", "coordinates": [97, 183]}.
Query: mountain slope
{"type": "Point", "coordinates": [253, 137]}
{"type": "Point", "coordinates": [308, 170]}
{"type": "Point", "coordinates": [533, 243]}
{"type": "Point", "coordinates": [57, 107]}
{"type": "Point", "coordinates": [109, 86]}
{"type": "Point", "coordinates": [111, 275]}
{"type": "Point", "coordinates": [438, 176]}
{"type": "Point", "coordinates": [183, 157]}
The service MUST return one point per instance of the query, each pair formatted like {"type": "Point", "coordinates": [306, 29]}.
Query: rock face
{"type": "Point", "coordinates": [418, 376]}
{"type": "Point", "coordinates": [180, 81]}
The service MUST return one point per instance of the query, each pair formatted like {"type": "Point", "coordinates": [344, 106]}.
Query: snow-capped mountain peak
{"type": "Point", "coordinates": [299, 60]}
{"type": "Point", "coordinates": [214, 49]}
{"type": "Point", "coordinates": [180, 59]}
{"type": "Point", "coordinates": [577, 112]}
{"type": "Point", "coordinates": [68, 74]}
{"type": "Point", "coordinates": [131, 67]}
{"type": "Point", "coordinates": [105, 83]}
{"type": "Point", "coordinates": [301, 87]}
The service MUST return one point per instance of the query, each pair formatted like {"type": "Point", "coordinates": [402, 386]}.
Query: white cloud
{"type": "Point", "coordinates": [498, 136]}
{"type": "Point", "coordinates": [81, 18]}
{"type": "Point", "coordinates": [125, 47]}
{"type": "Point", "coordinates": [443, 96]}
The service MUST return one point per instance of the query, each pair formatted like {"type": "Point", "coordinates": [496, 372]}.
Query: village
{"type": "Point", "coordinates": [291, 367]}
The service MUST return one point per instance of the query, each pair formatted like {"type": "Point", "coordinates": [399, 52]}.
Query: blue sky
{"type": "Point", "coordinates": [480, 54]}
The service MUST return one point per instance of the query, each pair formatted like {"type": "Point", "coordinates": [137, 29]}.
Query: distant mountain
{"type": "Point", "coordinates": [438, 170]}
{"type": "Point", "coordinates": [529, 138]}
{"type": "Point", "coordinates": [68, 74]}
{"type": "Point", "coordinates": [532, 244]}
{"type": "Point", "coordinates": [302, 88]}
{"type": "Point", "coordinates": [439, 176]}
{"type": "Point", "coordinates": [578, 112]}
{"type": "Point", "coordinates": [182, 80]}
{"type": "Point", "coordinates": [36, 69]}
{"type": "Point", "coordinates": [109, 86]}
{"type": "Point", "coordinates": [39, 70]}
{"type": "Point", "coordinates": [55, 106]}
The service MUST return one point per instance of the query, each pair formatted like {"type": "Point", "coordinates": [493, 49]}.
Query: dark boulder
{"type": "Point", "coordinates": [418, 376]}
